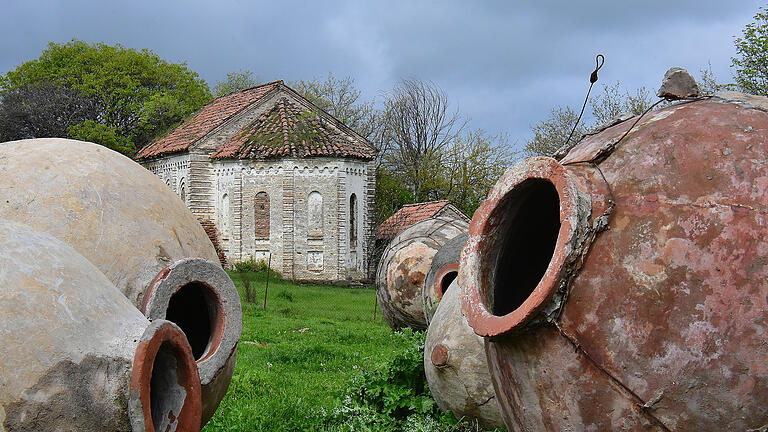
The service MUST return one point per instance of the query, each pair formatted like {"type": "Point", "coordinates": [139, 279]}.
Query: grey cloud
{"type": "Point", "coordinates": [505, 64]}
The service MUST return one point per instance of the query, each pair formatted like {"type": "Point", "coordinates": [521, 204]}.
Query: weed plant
{"type": "Point", "coordinates": [316, 360]}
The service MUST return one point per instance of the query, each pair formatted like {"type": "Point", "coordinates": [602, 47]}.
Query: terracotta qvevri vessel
{"type": "Point", "coordinates": [624, 286]}
{"type": "Point", "coordinates": [442, 272]}
{"type": "Point", "coordinates": [404, 266]}
{"type": "Point", "coordinates": [77, 355]}
{"type": "Point", "coordinates": [138, 233]}
{"type": "Point", "coordinates": [456, 366]}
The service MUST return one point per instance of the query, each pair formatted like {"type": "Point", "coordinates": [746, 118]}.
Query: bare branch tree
{"type": "Point", "coordinates": [419, 128]}
{"type": "Point", "coordinates": [709, 85]}
{"type": "Point", "coordinates": [341, 99]}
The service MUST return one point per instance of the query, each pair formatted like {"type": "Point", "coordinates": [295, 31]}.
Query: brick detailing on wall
{"type": "Point", "coordinates": [237, 217]}
{"type": "Point", "coordinates": [300, 249]}
{"type": "Point", "coordinates": [171, 170]}
{"type": "Point", "coordinates": [369, 227]}
{"type": "Point", "coordinates": [261, 216]}
{"type": "Point", "coordinates": [213, 234]}
{"type": "Point", "coordinates": [288, 225]}
{"type": "Point", "coordinates": [341, 229]}
{"type": "Point", "coordinates": [200, 183]}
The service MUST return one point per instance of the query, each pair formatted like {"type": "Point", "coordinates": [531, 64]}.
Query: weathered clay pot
{"type": "Point", "coordinates": [625, 286]}
{"type": "Point", "coordinates": [456, 367]}
{"type": "Point", "coordinates": [404, 265]}
{"type": "Point", "coordinates": [77, 355]}
{"type": "Point", "coordinates": [442, 272]}
{"type": "Point", "coordinates": [137, 232]}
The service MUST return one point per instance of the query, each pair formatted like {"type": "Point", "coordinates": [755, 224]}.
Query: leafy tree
{"type": "Point", "coordinates": [391, 194]}
{"type": "Point", "coordinates": [550, 134]}
{"type": "Point", "coordinates": [103, 134]}
{"type": "Point", "coordinates": [235, 81]}
{"type": "Point", "coordinates": [139, 94]}
{"type": "Point", "coordinates": [44, 110]}
{"type": "Point", "coordinates": [751, 61]}
{"type": "Point", "coordinates": [474, 162]}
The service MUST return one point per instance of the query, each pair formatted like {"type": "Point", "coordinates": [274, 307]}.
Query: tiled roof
{"type": "Point", "coordinates": [289, 129]}
{"type": "Point", "coordinates": [206, 119]}
{"type": "Point", "coordinates": [408, 215]}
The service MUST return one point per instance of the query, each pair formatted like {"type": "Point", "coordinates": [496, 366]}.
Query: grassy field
{"type": "Point", "coordinates": [296, 358]}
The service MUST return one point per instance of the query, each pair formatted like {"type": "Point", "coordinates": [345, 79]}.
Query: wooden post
{"type": "Point", "coordinates": [266, 289]}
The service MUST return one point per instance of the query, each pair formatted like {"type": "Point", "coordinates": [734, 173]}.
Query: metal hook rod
{"type": "Point", "coordinates": [599, 62]}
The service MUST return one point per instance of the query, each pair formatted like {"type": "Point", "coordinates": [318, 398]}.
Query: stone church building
{"type": "Point", "coordinates": [275, 175]}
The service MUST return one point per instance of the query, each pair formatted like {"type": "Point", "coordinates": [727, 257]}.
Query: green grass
{"type": "Point", "coordinates": [296, 358]}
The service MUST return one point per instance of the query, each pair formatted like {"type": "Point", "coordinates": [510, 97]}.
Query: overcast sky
{"type": "Point", "coordinates": [503, 64]}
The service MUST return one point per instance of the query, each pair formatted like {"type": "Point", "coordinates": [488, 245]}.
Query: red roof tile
{"type": "Point", "coordinates": [289, 129]}
{"type": "Point", "coordinates": [285, 129]}
{"type": "Point", "coordinates": [408, 215]}
{"type": "Point", "coordinates": [205, 120]}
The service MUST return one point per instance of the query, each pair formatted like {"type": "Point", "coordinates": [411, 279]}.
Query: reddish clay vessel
{"type": "Point", "coordinates": [442, 272]}
{"type": "Point", "coordinates": [625, 286]}
{"type": "Point", "coordinates": [138, 233]}
{"type": "Point", "coordinates": [404, 265]}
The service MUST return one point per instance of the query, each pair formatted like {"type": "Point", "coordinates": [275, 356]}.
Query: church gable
{"type": "Point", "coordinates": [208, 118]}
{"type": "Point", "coordinates": [270, 120]}
{"type": "Point", "coordinates": [289, 128]}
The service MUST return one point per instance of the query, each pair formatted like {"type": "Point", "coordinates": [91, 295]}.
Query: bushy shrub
{"type": "Point", "coordinates": [393, 396]}
{"type": "Point", "coordinates": [251, 265]}
{"type": "Point", "coordinates": [247, 268]}
{"type": "Point", "coordinates": [285, 295]}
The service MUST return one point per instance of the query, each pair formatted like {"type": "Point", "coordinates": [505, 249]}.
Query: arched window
{"type": "Point", "coordinates": [261, 216]}
{"type": "Point", "coordinates": [183, 191]}
{"type": "Point", "coordinates": [353, 221]}
{"type": "Point", "coordinates": [315, 214]}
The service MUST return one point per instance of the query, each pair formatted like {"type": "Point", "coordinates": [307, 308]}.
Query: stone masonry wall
{"type": "Point", "coordinates": [305, 243]}
{"type": "Point", "coordinates": [173, 170]}
{"type": "Point", "coordinates": [223, 197]}
{"type": "Point", "coordinates": [316, 242]}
